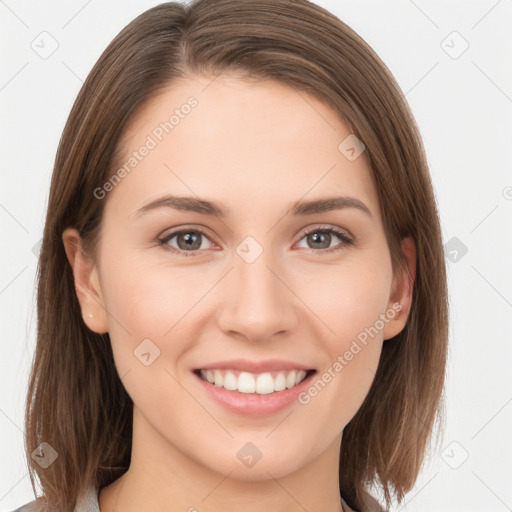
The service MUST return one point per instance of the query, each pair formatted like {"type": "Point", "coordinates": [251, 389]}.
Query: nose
{"type": "Point", "coordinates": [256, 300]}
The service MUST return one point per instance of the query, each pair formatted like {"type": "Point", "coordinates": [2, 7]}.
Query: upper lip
{"type": "Point", "coordinates": [246, 365]}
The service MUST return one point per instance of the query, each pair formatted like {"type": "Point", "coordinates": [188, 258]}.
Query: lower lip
{"type": "Point", "coordinates": [253, 404]}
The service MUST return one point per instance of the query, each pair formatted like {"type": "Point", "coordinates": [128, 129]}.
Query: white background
{"type": "Point", "coordinates": [463, 106]}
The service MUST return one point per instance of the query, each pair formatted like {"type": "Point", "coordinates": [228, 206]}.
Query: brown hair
{"type": "Point", "coordinates": [76, 401]}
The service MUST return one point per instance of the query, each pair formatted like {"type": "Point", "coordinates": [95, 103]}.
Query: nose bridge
{"type": "Point", "coordinates": [256, 303]}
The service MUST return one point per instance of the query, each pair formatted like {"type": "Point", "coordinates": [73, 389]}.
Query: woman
{"type": "Point", "coordinates": [242, 293]}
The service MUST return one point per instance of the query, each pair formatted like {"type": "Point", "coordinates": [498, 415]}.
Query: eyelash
{"type": "Point", "coordinates": [345, 239]}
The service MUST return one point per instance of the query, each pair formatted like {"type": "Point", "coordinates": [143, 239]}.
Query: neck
{"type": "Point", "coordinates": [163, 478]}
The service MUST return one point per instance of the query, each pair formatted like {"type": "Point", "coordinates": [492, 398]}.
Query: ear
{"type": "Point", "coordinates": [87, 284]}
{"type": "Point", "coordinates": [400, 299]}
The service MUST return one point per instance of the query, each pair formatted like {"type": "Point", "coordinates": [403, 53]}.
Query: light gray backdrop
{"type": "Point", "coordinates": [452, 59]}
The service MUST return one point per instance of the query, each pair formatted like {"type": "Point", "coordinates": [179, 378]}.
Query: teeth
{"type": "Point", "coordinates": [280, 382]}
{"type": "Point", "coordinates": [290, 379]}
{"type": "Point", "coordinates": [300, 376]}
{"type": "Point", "coordinates": [219, 378]}
{"type": "Point", "coordinates": [261, 384]}
{"type": "Point", "coordinates": [246, 383]}
{"type": "Point", "coordinates": [265, 384]}
{"type": "Point", "coordinates": [230, 381]}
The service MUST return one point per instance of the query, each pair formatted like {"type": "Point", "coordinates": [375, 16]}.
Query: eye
{"type": "Point", "coordinates": [189, 241]}
{"type": "Point", "coordinates": [322, 236]}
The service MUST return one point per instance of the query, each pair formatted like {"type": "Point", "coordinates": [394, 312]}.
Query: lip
{"type": "Point", "coordinates": [253, 404]}
{"type": "Point", "coordinates": [245, 365]}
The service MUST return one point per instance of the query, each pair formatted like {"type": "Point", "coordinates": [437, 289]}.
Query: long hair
{"type": "Point", "coordinates": [76, 401]}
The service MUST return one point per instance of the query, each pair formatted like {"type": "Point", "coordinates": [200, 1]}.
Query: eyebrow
{"type": "Point", "coordinates": [298, 208]}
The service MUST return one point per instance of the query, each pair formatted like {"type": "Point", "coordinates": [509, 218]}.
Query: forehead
{"type": "Point", "coordinates": [246, 143]}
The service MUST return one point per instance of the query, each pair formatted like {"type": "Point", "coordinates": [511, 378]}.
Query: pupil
{"type": "Point", "coordinates": [317, 238]}
{"type": "Point", "coordinates": [190, 240]}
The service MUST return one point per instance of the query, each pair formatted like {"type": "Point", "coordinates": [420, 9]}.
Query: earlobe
{"type": "Point", "coordinates": [87, 284]}
{"type": "Point", "coordinates": [400, 300]}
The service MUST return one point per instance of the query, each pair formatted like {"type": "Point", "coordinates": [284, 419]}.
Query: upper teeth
{"type": "Point", "coordinates": [245, 382]}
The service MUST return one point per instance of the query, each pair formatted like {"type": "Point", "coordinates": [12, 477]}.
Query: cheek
{"type": "Point", "coordinates": [352, 304]}
{"type": "Point", "coordinates": [147, 297]}
{"type": "Point", "coordinates": [147, 301]}
{"type": "Point", "coordinates": [352, 357]}
{"type": "Point", "coordinates": [147, 310]}
{"type": "Point", "coordinates": [348, 299]}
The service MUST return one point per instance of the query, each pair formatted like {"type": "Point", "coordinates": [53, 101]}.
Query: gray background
{"type": "Point", "coordinates": [462, 100]}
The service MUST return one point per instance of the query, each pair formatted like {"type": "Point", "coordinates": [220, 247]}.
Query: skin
{"type": "Point", "coordinates": [256, 148]}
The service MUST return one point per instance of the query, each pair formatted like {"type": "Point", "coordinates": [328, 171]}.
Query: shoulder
{"type": "Point", "coordinates": [32, 506]}
{"type": "Point", "coordinates": [88, 503]}
{"type": "Point", "coordinates": [370, 504]}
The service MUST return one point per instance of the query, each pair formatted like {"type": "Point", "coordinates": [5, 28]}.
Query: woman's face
{"type": "Point", "coordinates": [242, 276]}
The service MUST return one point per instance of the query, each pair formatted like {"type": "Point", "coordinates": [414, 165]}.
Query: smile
{"type": "Point", "coordinates": [258, 383]}
{"type": "Point", "coordinates": [251, 387]}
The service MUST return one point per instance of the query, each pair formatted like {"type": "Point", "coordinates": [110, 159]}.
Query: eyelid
{"type": "Point", "coordinates": [189, 227]}
{"type": "Point", "coordinates": [326, 227]}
